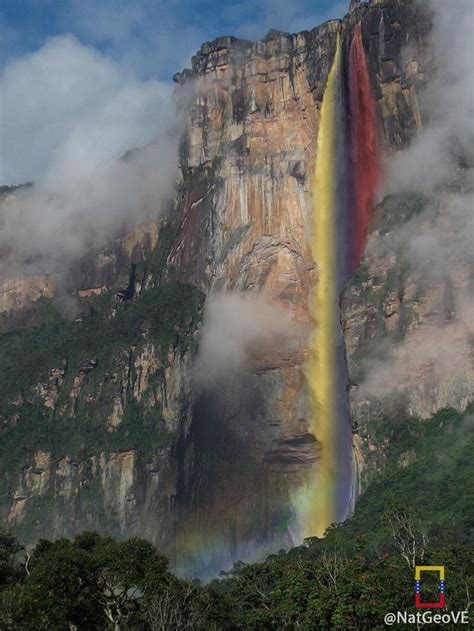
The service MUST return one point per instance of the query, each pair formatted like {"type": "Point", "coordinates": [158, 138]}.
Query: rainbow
{"type": "Point", "coordinates": [344, 191]}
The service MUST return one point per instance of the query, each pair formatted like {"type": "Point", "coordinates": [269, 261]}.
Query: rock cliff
{"type": "Point", "coordinates": [254, 121]}
{"type": "Point", "coordinates": [408, 321]}
{"type": "Point", "coordinates": [114, 436]}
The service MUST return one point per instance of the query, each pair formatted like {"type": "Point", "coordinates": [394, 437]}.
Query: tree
{"type": "Point", "coordinates": [181, 605]}
{"type": "Point", "coordinates": [92, 582]}
{"type": "Point", "coordinates": [127, 571]}
{"type": "Point", "coordinates": [10, 568]}
{"type": "Point", "coordinates": [409, 536]}
{"type": "Point", "coordinates": [60, 590]}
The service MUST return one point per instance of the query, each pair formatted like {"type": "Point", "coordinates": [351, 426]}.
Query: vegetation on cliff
{"type": "Point", "coordinates": [74, 364]}
{"type": "Point", "coordinates": [418, 509]}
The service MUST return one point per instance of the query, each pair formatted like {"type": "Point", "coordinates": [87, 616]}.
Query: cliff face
{"type": "Point", "coordinates": [212, 470]}
{"type": "Point", "coordinates": [254, 122]}
{"type": "Point", "coordinates": [407, 316]}
{"type": "Point", "coordinates": [92, 413]}
{"type": "Point", "coordinates": [104, 267]}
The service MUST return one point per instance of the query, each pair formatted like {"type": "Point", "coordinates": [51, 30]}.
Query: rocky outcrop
{"type": "Point", "coordinates": [102, 268]}
{"type": "Point", "coordinates": [19, 292]}
{"type": "Point", "coordinates": [64, 490]}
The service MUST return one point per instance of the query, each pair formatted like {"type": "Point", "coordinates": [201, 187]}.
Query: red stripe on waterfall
{"type": "Point", "coordinates": [364, 145]}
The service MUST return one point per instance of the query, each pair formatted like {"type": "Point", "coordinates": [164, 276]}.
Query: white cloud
{"type": "Point", "coordinates": [68, 115]}
{"type": "Point", "coordinates": [68, 112]}
{"type": "Point", "coordinates": [432, 364]}
{"type": "Point", "coordinates": [232, 323]}
{"type": "Point", "coordinates": [448, 105]}
{"type": "Point", "coordinates": [67, 108]}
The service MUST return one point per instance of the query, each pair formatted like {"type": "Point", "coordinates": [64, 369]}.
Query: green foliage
{"type": "Point", "coordinates": [356, 574]}
{"type": "Point", "coordinates": [335, 591]}
{"type": "Point", "coordinates": [95, 347]}
{"type": "Point", "coordinates": [96, 583]}
{"type": "Point", "coordinates": [428, 470]}
{"type": "Point", "coordinates": [156, 265]}
{"type": "Point", "coordinates": [162, 313]}
{"type": "Point", "coordinates": [92, 582]}
{"type": "Point", "coordinates": [360, 276]}
{"type": "Point", "coordinates": [9, 547]}
{"type": "Point", "coordinates": [38, 516]}
{"type": "Point", "coordinates": [364, 568]}
{"type": "Point", "coordinates": [42, 311]}
{"type": "Point", "coordinates": [416, 511]}
{"type": "Point", "coordinates": [373, 350]}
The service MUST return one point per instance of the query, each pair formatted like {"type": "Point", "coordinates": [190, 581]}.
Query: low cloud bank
{"type": "Point", "coordinates": [69, 114]}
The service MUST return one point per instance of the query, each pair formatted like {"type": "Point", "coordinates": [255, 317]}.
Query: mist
{"type": "Point", "coordinates": [435, 246]}
{"type": "Point", "coordinates": [446, 143]}
{"type": "Point", "coordinates": [69, 116]}
{"type": "Point", "coordinates": [232, 323]}
{"type": "Point", "coordinates": [70, 111]}
{"type": "Point", "coordinates": [440, 162]}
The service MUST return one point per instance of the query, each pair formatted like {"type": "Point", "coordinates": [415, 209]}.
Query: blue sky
{"type": "Point", "coordinates": [82, 81]}
{"type": "Point", "coordinates": [154, 37]}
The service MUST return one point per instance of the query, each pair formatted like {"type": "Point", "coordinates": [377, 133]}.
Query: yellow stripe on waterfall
{"type": "Point", "coordinates": [321, 370]}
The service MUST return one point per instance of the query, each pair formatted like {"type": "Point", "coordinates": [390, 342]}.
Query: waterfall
{"type": "Point", "coordinates": [344, 190]}
{"type": "Point", "coordinates": [364, 146]}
